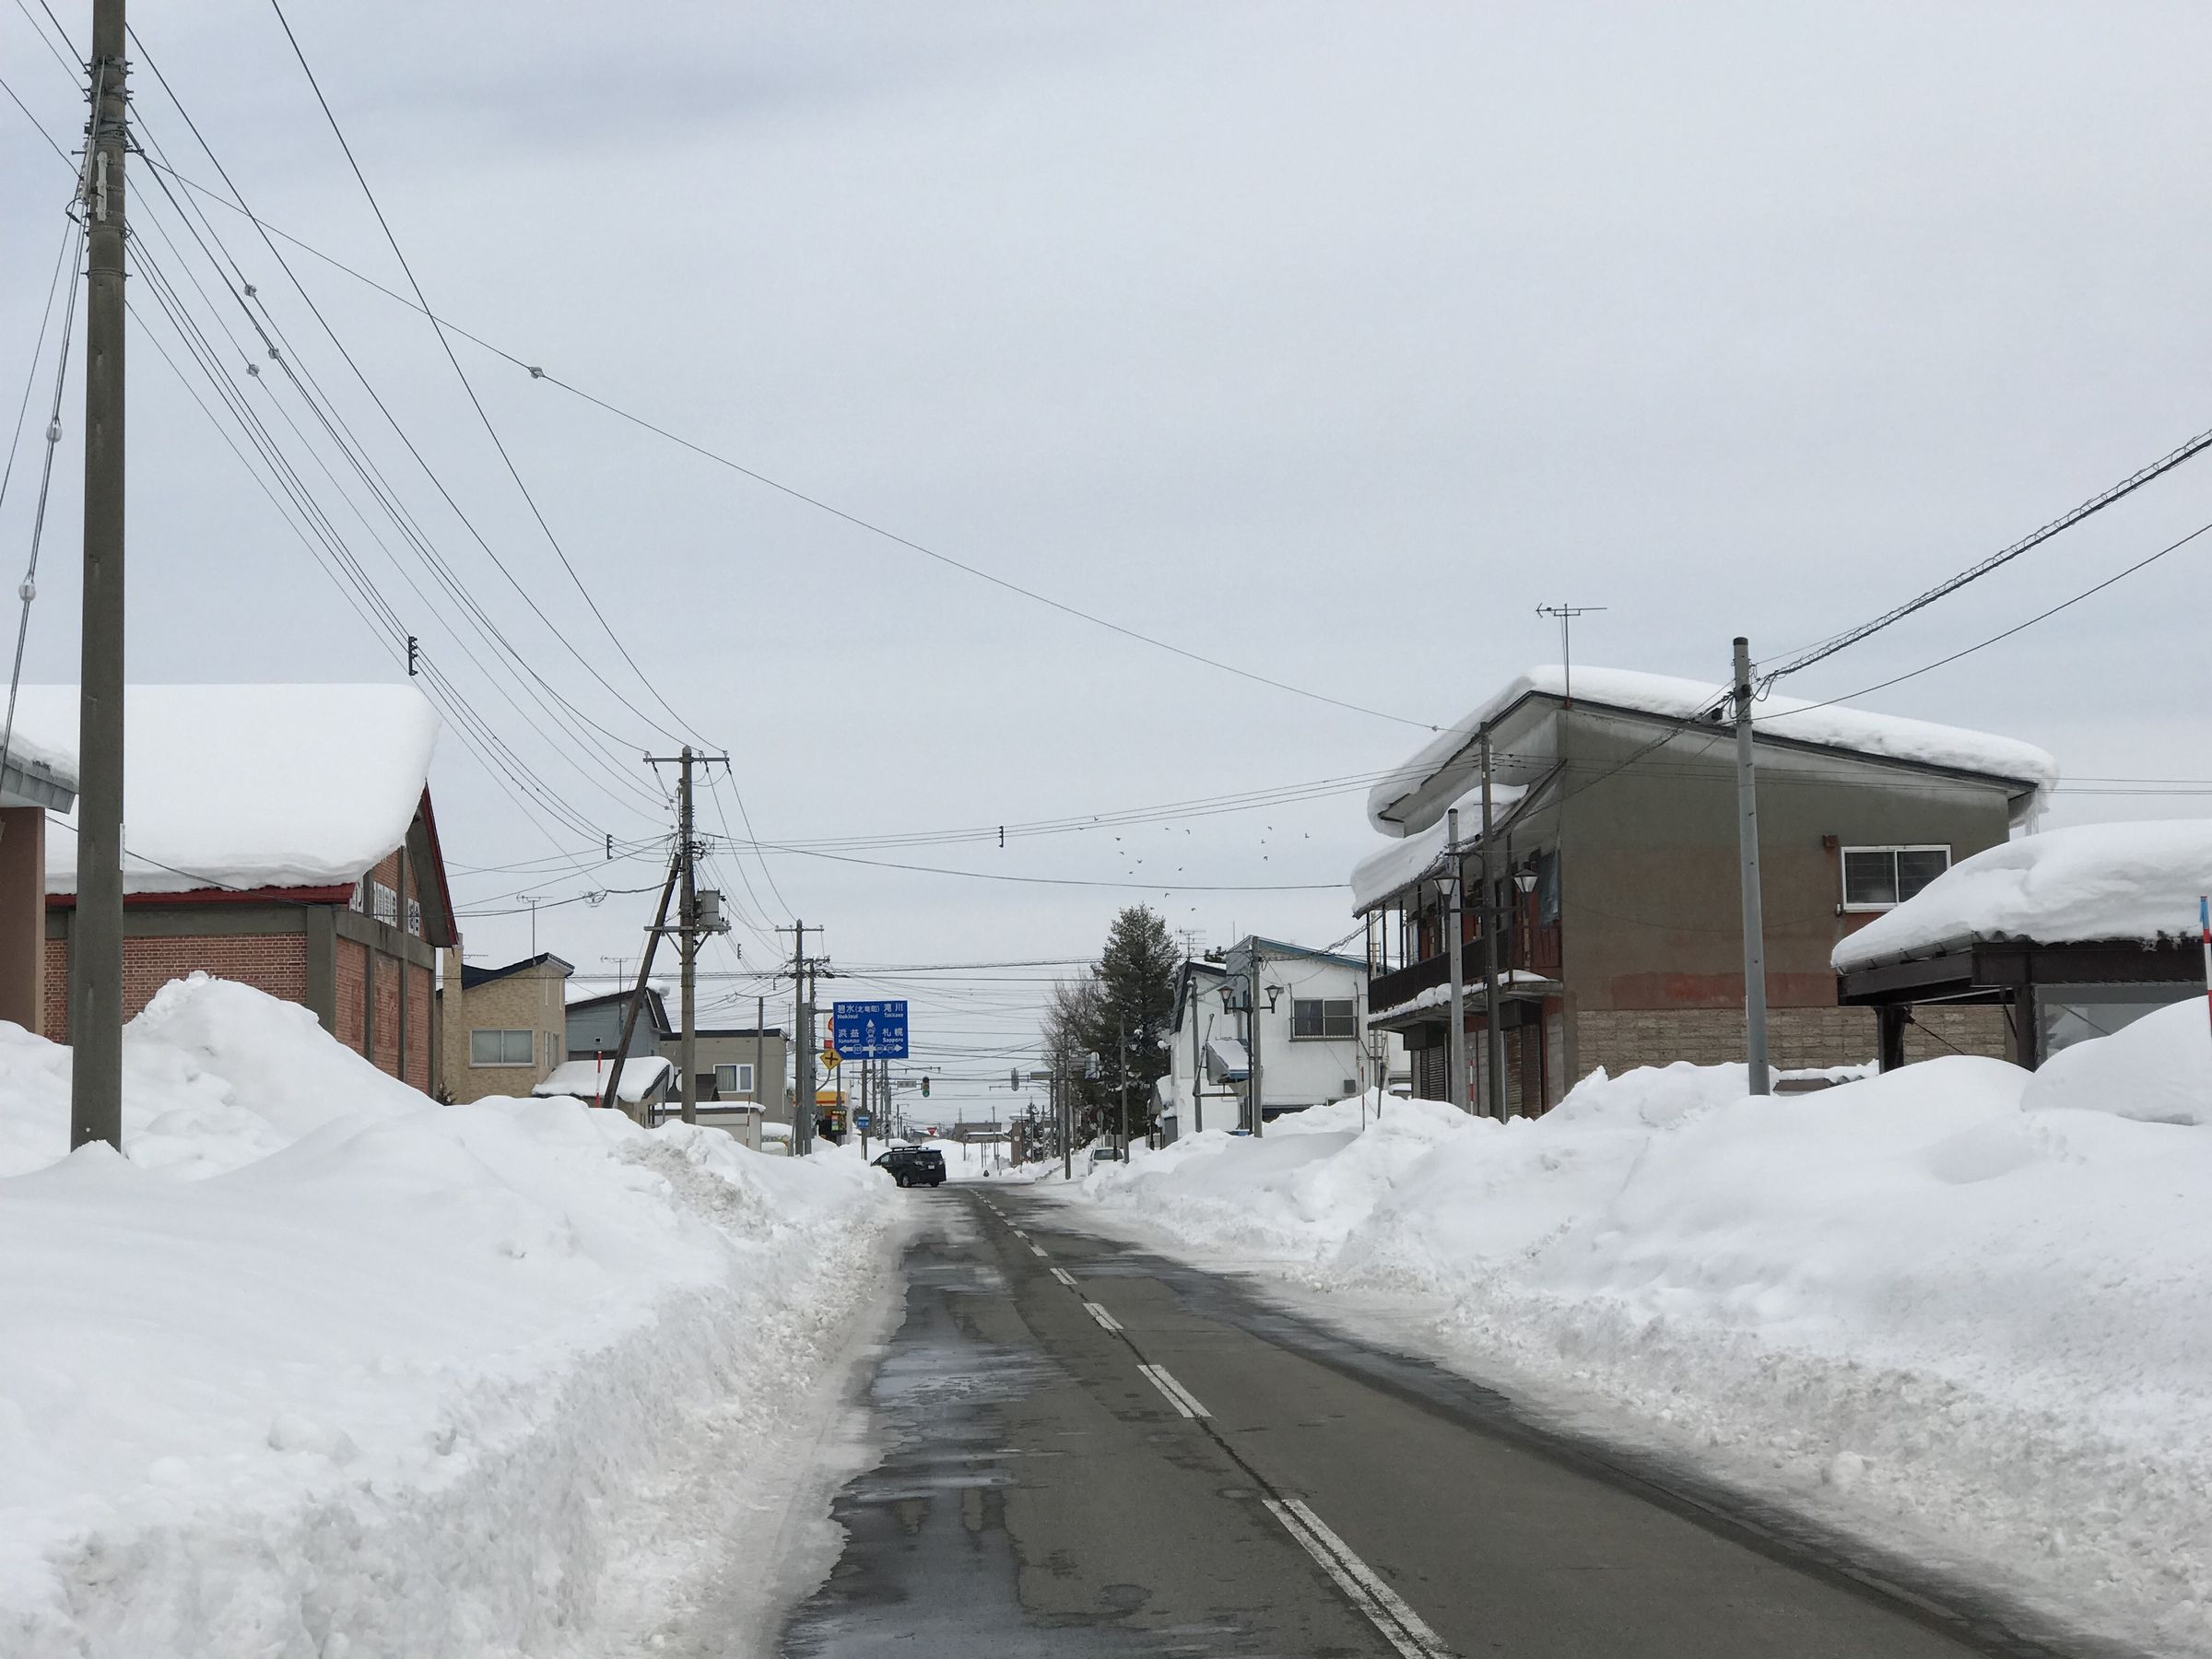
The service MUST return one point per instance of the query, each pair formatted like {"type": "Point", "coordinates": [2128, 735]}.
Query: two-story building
{"type": "Point", "coordinates": [1615, 888]}
{"type": "Point", "coordinates": [1314, 1042]}
{"type": "Point", "coordinates": [505, 1029]}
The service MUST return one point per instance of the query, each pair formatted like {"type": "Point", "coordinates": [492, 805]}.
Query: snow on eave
{"type": "Point", "coordinates": [2117, 883]}
{"type": "Point", "coordinates": [1406, 801]}
{"type": "Point", "coordinates": [586, 1079]}
{"type": "Point", "coordinates": [1389, 870]}
{"type": "Point", "coordinates": [255, 786]}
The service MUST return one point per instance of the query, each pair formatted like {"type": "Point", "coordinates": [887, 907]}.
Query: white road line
{"type": "Point", "coordinates": [1401, 1626]}
{"type": "Point", "coordinates": [1020, 1234]}
{"type": "Point", "coordinates": [1065, 1276]}
{"type": "Point", "coordinates": [1182, 1398]}
{"type": "Point", "coordinates": [1035, 1252]}
{"type": "Point", "coordinates": [1105, 1319]}
{"type": "Point", "coordinates": [1156, 1378]}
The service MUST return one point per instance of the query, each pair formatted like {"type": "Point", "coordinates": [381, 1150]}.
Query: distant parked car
{"type": "Point", "coordinates": [1105, 1155]}
{"type": "Point", "coordinates": [914, 1166]}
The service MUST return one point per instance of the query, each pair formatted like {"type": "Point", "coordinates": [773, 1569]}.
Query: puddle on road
{"type": "Point", "coordinates": [929, 1571]}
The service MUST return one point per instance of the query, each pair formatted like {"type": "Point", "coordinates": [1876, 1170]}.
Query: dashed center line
{"type": "Point", "coordinates": [1035, 1252]}
{"type": "Point", "coordinates": [1106, 1321]}
{"type": "Point", "coordinates": [1182, 1398]}
{"type": "Point", "coordinates": [1020, 1234]}
{"type": "Point", "coordinates": [1065, 1276]}
{"type": "Point", "coordinates": [1401, 1626]}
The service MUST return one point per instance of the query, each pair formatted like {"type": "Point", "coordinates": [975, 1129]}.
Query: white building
{"type": "Point", "coordinates": [1315, 1045]}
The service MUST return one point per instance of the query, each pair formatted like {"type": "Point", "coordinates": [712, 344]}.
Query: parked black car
{"type": "Point", "coordinates": [914, 1166]}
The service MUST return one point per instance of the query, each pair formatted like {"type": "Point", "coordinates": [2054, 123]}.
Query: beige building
{"type": "Point", "coordinates": [504, 1030]}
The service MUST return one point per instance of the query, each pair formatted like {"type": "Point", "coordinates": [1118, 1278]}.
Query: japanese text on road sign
{"type": "Point", "coordinates": [870, 1030]}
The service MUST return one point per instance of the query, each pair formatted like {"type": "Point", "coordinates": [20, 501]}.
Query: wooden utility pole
{"type": "Point", "coordinates": [95, 932]}
{"type": "Point", "coordinates": [611, 1096]}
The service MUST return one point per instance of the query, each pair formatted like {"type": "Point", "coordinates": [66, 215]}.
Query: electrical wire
{"type": "Point", "coordinates": [475, 403]}
{"type": "Point", "coordinates": [2003, 556]}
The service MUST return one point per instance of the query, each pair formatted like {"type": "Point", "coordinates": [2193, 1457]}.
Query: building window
{"type": "Point", "coordinates": [1312, 1017]}
{"type": "Point", "coordinates": [734, 1082]}
{"type": "Point", "coordinates": [384, 904]}
{"type": "Point", "coordinates": [501, 1048]}
{"type": "Point", "coordinates": [1876, 878]}
{"type": "Point", "coordinates": [554, 1042]}
{"type": "Point", "coordinates": [415, 918]}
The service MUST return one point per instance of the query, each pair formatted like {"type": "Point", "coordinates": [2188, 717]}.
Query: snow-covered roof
{"type": "Point", "coordinates": [2137, 881]}
{"type": "Point", "coordinates": [1413, 796]}
{"type": "Point", "coordinates": [1227, 1060]}
{"type": "Point", "coordinates": [253, 786]}
{"type": "Point", "coordinates": [1400, 863]}
{"type": "Point", "coordinates": [641, 1073]}
{"type": "Point", "coordinates": [43, 743]}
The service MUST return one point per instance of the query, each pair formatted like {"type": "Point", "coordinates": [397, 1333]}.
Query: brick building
{"type": "Point", "coordinates": [278, 835]}
{"type": "Point", "coordinates": [1614, 886]}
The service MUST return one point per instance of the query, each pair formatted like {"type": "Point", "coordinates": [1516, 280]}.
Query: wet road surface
{"type": "Point", "coordinates": [1094, 1451]}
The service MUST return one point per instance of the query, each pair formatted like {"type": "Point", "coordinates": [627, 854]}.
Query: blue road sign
{"type": "Point", "coordinates": [870, 1030]}
{"type": "Point", "coordinates": [864, 1121]}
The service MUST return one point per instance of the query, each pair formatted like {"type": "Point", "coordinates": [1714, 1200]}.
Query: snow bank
{"type": "Point", "coordinates": [2096, 881]}
{"type": "Point", "coordinates": [321, 1367]}
{"type": "Point", "coordinates": [254, 785]}
{"type": "Point", "coordinates": [1890, 736]}
{"type": "Point", "coordinates": [1965, 1311]}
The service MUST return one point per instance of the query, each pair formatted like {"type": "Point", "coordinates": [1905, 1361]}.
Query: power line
{"type": "Point", "coordinates": [539, 372]}
{"type": "Point", "coordinates": [2003, 556]}
{"type": "Point", "coordinates": [475, 403]}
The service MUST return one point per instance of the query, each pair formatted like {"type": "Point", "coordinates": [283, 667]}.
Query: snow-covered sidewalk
{"type": "Point", "coordinates": [325, 1369]}
{"type": "Point", "coordinates": [1960, 1311]}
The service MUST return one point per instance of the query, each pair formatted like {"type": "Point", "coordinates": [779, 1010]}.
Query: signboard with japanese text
{"type": "Point", "coordinates": [870, 1030]}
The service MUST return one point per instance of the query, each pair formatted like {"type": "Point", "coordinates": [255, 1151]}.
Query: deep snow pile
{"type": "Point", "coordinates": [1966, 1310]}
{"type": "Point", "coordinates": [323, 1368]}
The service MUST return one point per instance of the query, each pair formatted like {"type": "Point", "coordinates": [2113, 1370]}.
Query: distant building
{"type": "Point", "coordinates": [505, 1029]}
{"type": "Point", "coordinates": [1615, 888]}
{"type": "Point", "coordinates": [1314, 1042]}
{"type": "Point", "coordinates": [594, 1022]}
{"type": "Point", "coordinates": [277, 835]}
{"type": "Point", "coordinates": [645, 1086]}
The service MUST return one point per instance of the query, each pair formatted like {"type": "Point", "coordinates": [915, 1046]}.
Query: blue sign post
{"type": "Point", "coordinates": [869, 1030]}
{"type": "Point", "coordinates": [864, 1121]}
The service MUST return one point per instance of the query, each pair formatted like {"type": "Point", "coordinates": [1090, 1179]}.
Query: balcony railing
{"type": "Point", "coordinates": [1531, 950]}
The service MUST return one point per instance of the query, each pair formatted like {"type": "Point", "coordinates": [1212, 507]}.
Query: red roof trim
{"type": "Point", "coordinates": [267, 895]}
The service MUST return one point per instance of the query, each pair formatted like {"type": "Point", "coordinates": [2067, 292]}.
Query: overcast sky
{"type": "Point", "coordinates": [1325, 341]}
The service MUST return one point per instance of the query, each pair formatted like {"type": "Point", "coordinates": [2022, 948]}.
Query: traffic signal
{"type": "Point", "coordinates": [926, 1088]}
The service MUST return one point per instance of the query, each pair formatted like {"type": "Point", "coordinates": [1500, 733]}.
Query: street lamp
{"type": "Point", "coordinates": [1525, 879]}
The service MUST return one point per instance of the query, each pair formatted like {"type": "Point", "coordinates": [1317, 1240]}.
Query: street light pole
{"type": "Point", "coordinates": [1454, 926]}
{"type": "Point", "coordinates": [1755, 943]}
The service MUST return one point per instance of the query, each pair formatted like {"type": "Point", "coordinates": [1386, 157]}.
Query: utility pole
{"type": "Point", "coordinates": [1252, 1047]}
{"type": "Point", "coordinates": [611, 1095]}
{"type": "Point", "coordinates": [1567, 614]}
{"type": "Point", "coordinates": [1066, 1118]}
{"type": "Point", "coordinates": [687, 944]}
{"type": "Point", "coordinates": [1454, 948]}
{"type": "Point", "coordinates": [96, 933]}
{"type": "Point", "coordinates": [1121, 1026]}
{"type": "Point", "coordinates": [688, 928]}
{"type": "Point", "coordinates": [1493, 1025]}
{"type": "Point", "coordinates": [1755, 943]}
{"type": "Point", "coordinates": [802, 1037]}
{"type": "Point", "coordinates": [760, 1050]}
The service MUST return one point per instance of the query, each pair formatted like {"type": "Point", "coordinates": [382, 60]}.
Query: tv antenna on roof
{"type": "Point", "coordinates": [1567, 614]}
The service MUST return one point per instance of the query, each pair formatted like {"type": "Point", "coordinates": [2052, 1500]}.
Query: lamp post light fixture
{"type": "Point", "coordinates": [1525, 879]}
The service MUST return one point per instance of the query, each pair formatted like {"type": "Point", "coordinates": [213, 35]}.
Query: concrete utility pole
{"type": "Point", "coordinates": [688, 943]}
{"type": "Point", "coordinates": [1755, 943]}
{"type": "Point", "coordinates": [802, 1037]}
{"type": "Point", "coordinates": [1066, 1118]}
{"type": "Point", "coordinates": [1456, 1045]}
{"type": "Point", "coordinates": [96, 935]}
{"type": "Point", "coordinates": [688, 928]}
{"type": "Point", "coordinates": [760, 1050]}
{"type": "Point", "coordinates": [1121, 1028]}
{"type": "Point", "coordinates": [1493, 1024]}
